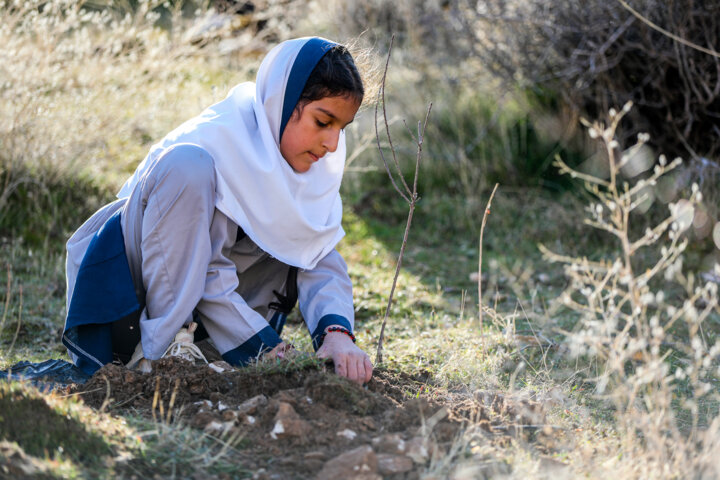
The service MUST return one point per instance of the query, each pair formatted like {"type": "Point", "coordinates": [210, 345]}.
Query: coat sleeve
{"type": "Point", "coordinates": [325, 296]}
{"type": "Point", "coordinates": [239, 332]}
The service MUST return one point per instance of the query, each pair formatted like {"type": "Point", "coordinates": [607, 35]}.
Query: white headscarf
{"type": "Point", "coordinates": [295, 217]}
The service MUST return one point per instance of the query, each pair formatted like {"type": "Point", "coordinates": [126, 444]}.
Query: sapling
{"type": "Point", "coordinates": [408, 194]}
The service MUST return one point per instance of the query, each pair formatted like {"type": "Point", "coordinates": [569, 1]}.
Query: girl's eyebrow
{"type": "Point", "coordinates": [328, 113]}
{"type": "Point", "coordinates": [331, 115]}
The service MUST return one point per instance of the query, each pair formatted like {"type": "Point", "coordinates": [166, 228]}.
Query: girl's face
{"type": "Point", "coordinates": [314, 131]}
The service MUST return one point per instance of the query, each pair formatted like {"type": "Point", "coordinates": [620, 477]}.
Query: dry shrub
{"type": "Point", "coordinates": [597, 54]}
{"type": "Point", "coordinates": [648, 325]}
{"type": "Point", "coordinates": [577, 57]}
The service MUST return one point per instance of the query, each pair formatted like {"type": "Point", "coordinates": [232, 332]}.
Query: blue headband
{"type": "Point", "coordinates": [306, 60]}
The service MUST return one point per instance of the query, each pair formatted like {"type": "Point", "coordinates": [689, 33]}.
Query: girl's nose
{"type": "Point", "coordinates": [330, 142]}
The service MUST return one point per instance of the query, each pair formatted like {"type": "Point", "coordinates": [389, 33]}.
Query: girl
{"type": "Point", "coordinates": [229, 220]}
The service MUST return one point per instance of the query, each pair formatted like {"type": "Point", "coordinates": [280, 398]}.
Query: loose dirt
{"type": "Point", "coordinates": [309, 423]}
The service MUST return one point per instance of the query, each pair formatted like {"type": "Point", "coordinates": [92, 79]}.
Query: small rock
{"type": "Point", "coordinates": [221, 366]}
{"type": "Point", "coordinates": [315, 455]}
{"type": "Point", "coordinates": [216, 427]}
{"type": "Point", "coordinates": [229, 415]}
{"type": "Point", "coordinates": [347, 433]}
{"type": "Point", "coordinates": [356, 464]}
{"type": "Point", "coordinates": [288, 396]}
{"type": "Point", "coordinates": [420, 449]}
{"type": "Point", "coordinates": [261, 474]}
{"type": "Point", "coordinates": [204, 405]}
{"type": "Point", "coordinates": [203, 418]}
{"type": "Point", "coordinates": [391, 443]}
{"type": "Point", "coordinates": [278, 429]}
{"type": "Point", "coordinates": [288, 423]}
{"type": "Point", "coordinates": [251, 405]}
{"type": "Point", "coordinates": [312, 465]}
{"type": "Point", "coordinates": [196, 387]}
{"type": "Point", "coordinates": [392, 464]}
{"type": "Point", "coordinates": [367, 423]}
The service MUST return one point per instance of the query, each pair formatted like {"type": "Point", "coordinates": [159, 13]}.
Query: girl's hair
{"type": "Point", "coordinates": [335, 75]}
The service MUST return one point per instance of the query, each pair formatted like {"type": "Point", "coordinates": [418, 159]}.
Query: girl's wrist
{"type": "Point", "coordinates": [338, 330]}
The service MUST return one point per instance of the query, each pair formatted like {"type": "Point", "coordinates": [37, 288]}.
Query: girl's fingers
{"type": "Point", "coordinates": [352, 372]}
{"type": "Point", "coordinates": [350, 362]}
{"type": "Point", "coordinates": [359, 371]}
{"type": "Point", "coordinates": [368, 369]}
{"type": "Point", "coordinates": [340, 367]}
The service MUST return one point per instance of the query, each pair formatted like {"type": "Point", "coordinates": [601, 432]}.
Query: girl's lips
{"type": "Point", "coordinates": [314, 157]}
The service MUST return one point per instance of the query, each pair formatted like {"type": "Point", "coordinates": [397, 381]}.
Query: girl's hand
{"type": "Point", "coordinates": [349, 360]}
{"type": "Point", "coordinates": [281, 351]}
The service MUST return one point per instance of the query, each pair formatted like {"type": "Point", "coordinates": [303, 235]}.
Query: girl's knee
{"type": "Point", "coordinates": [188, 165]}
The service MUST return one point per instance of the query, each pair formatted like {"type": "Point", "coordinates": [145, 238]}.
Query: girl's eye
{"type": "Point", "coordinates": [321, 124]}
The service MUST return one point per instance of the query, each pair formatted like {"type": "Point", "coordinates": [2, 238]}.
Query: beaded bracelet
{"type": "Point", "coordinates": [338, 329]}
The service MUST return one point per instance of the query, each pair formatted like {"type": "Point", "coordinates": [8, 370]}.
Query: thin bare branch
{"type": "Point", "coordinates": [480, 252]}
{"type": "Point", "coordinates": [387, 129]}
{"type": "Point", "coordinates": [565, 168]}
{"type": "Point", "coordinates": [411, 198]}
{"type": "Point", "coordinates": [658, 28]}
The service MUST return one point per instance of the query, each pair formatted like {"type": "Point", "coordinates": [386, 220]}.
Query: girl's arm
{"type": "Point", "coordinates": [325, 298]}
{"type": "Point", "coordinates": [239, 332]}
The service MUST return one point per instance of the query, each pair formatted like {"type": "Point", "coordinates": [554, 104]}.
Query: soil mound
{"type": "Point", "coordinates": [303, 423]}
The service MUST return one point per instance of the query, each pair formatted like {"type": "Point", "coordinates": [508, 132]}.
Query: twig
{"type": "Point", "coordinates": [82, 393]}
{"type": "Point", "coordinates": [106, 401]}
{"type": "Point", "coordinates": [174, 393]}
{"type": "Point", "coordinates": [377, 134]}
{"type": "Point", "coordinates": [410, 196]}
{"type": "Point", "coordinates": [480, 252]}
{"type": "Point", "coordinates": [378, 356]}
{"type": "Point", "coordinates": [658, 28]}
{"type": "Point", "coordinates": [156, 397]}
{"type": "Point", "coordinates": [126, 401]}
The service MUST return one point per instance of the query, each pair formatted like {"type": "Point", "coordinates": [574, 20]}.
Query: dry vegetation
{"type": "Point", "coordinates": [598, 358]}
